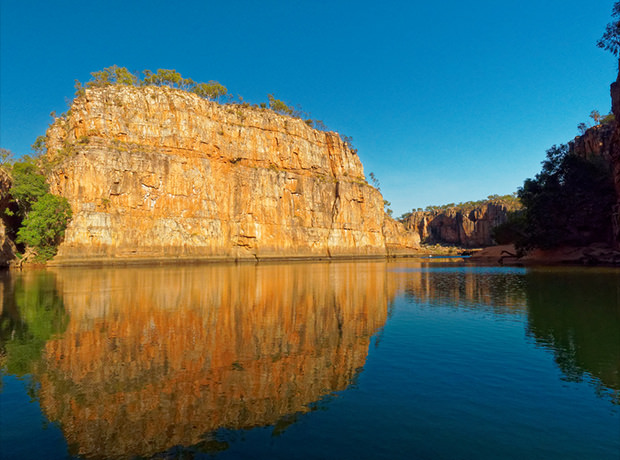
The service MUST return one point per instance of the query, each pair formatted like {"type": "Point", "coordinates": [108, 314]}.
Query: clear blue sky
{"type": "Point", "coordinates": [446, 101]}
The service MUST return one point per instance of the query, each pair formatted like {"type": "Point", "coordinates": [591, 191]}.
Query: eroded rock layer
{"type": "Point", "coordinates": [157, 173]}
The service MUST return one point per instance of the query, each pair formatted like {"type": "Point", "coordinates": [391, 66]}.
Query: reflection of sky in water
{"type": "Point", "coordinates": [462, 269]}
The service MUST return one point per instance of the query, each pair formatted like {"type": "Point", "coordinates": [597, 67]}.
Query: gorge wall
{"type": "Point", "coordinates": [614, 154]}
{"type": "Point", "coordinates": [156, 173]}
{"type": "Point", "coordinates": [462, 227]}
{"type": "Point", "coordinates": [602, 143]}
{"type": "Point", "coordinates": [7, 247]}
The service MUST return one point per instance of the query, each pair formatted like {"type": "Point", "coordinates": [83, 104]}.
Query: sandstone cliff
{"type": "Point", "coordinates": [160, 173]}
{"type": "Point", "coordinates": [602, 143]}
{"type": "Point", "coordinates": [7, 247]}
{"type": "Point", "coordinates": [468, 228]}
{"type": "Point", "coordinates": [614, 154]}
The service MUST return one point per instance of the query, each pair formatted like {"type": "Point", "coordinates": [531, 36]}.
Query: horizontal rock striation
{"type": "Point", "coordinates": [155, 172]}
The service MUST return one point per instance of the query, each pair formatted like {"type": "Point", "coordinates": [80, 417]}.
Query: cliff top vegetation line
{"type": "Point", "coordinates": [211, 90]}
{"type": "Point", "coordinates": [511, 202]}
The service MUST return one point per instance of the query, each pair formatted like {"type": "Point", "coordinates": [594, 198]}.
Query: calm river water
{"type": "Point", "coordinates": [363, 360]}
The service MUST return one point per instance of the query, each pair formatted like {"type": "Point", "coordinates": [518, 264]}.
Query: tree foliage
{"type": "Point", "coordinates": [28, 184]}
{"type": "Point", "coordinates": [167, 77]}
{"type": "Point", "coordinates": [45, 224]}
{"type": "Point", "coordinates": [113, 75]}
{"type": "Point", "coordinates": [211, 90]}
{"type": "Point", "coordinates": [610, 41]}
{"type": "Point", "coordinates": [36, 217]}
{"type": "Point", "coordinates": [278, 106]}
{"type": "Point", "coordinates": [6, 156]}
{"type": "Point", "coordinates": [568, 203]}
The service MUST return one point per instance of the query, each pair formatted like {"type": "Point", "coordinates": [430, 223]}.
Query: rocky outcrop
{"type": "Point", "coordinates": [462, 227]}
{"type": "Point", "coordinates": [601, 144]}
{"type": "Point", "coordinates": [156, 173]}
{"type": "Point", "coordinates": [595, 143]}
{"type": "Point", "coordinates": [614, 154]}
{"type": "Point", "coordinates": [7, 247]}
{"type": "Point", "coordinates": [397, 240]}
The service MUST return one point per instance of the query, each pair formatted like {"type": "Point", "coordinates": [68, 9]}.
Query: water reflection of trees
{"type": "Point", "coordinates": [498, 289]}
{"type": "Point", "coordinates": [157, 357]}
{"type": "Point", "coordinates": [31, 313]}
{"type": "Point", "coordinates": [576, 315]}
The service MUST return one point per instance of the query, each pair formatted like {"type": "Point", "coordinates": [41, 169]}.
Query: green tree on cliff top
{"type": "Point", "coordinates": [211, 90]}
{"type": "Point", "coordinates": [113, 75]}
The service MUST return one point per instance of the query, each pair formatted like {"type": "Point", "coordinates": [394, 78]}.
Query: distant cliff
{"type": "Point", "coordinates": [157, 173]}
{"type": "Point", "coordinates": [468, 226]}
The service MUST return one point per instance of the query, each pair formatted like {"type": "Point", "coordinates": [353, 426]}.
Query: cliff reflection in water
{"type": "Point", "coordinates": [156, 357]}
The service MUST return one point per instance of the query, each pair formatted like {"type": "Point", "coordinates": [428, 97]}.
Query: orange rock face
{"type": "Point", "coordinates": [157, 173]}
{"type": "Point", "coordinates": [472, 228]}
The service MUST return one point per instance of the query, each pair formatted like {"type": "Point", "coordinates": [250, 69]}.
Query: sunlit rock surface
{"type": "Point", "coordinates": [471, 228]}
{"type": "Point", "coordinates": [161, 173]}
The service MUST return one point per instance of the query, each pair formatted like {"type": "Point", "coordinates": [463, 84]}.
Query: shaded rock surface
{"type": "Point", "coordinates": [160, 173]}
{"type": "Point", "coordinates": [614, 154]}
{"type": "Point", "coordinates": [602, 144]}
{"type": "Point", "coordinates": [7, 247]}
{"type": "Point", "coordinates": [469, 228]}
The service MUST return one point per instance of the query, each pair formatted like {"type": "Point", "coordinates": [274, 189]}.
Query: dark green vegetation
{"type": "Point", "coordinates": [568, 203]}
{"type": "Point", "coordinates": [610, 41]}
{"type": "Point", "coordinates": [212, 90]}
{"type": "Point", "coordinates": [35, 218]}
